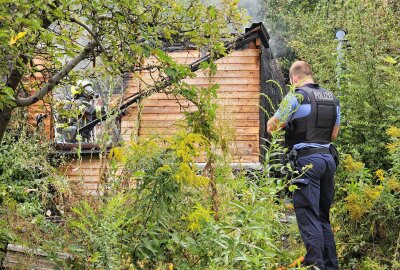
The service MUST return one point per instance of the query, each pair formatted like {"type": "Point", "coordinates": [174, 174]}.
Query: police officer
{"type": "Point", "coordinates": [310, 118]}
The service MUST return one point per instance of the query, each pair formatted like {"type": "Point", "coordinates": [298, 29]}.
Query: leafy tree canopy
{"type": "Point", "coordinates": [368, 70]}
{"type": "Point", "coordinates": [42, 42]}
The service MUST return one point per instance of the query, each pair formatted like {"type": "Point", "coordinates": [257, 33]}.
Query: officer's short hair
{"type": "Point", "coordinates": [302, 69]}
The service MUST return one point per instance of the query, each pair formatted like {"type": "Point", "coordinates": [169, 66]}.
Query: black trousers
{"type": "Point", "coordinates": [312, 202]}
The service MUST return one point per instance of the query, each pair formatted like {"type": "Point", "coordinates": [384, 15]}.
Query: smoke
{"type": "Point", "coordinates": [254, 9]}
{"type": "Point", "coordinates": [257, 11]}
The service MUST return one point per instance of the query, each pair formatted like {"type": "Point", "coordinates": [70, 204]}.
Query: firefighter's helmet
{"type": "Point", "coordinates": [82, 87]}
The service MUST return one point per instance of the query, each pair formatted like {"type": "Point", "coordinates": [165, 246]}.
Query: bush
{"type": "Point", "coordinates": [30, 190]}
{"type": "Point", "coordinates": [158, 214]}
{"type": "Point", "coordinates": [367, 213]}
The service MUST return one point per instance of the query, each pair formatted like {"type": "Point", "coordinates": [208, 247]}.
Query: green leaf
{"type": "Point", "coordinates": [292, 188]}
{"type": "Point", "coordinates": [162, 56]}
{"type": "Point", "coordinates": [204, 65]}
{"type": "Point", "coordinates": [16, 37]}
{"type": "Point", "coordinates": [390, 60]}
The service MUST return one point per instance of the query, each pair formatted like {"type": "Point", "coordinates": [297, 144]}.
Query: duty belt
{"type": "Point", "coordinates": [309, 151]}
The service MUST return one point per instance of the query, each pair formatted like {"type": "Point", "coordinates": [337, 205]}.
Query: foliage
{"type": "Point", "coordinates": [203, 120]}
{"type": "Point", "coordinates": [148, 213]}
{"type": "Point", "coordinates": [54, 41]}
{"type": "Point", "coordinates": [154, 219]}
{"type": "Point", "coordinates": [366, 80]}
{"type": "Point", "coordinates": [98, 230]}
{"type": "Point", "coordinates": [31, 190]}
{"type": "Point", "coordinates": [394, 149]}
{"type": "Point", "coordinates": [6, 96]}
{"type": "Point", "coordinates": [156, 209]}
{"type": "Point", "coordinates": [367, 213]}
{"type": "Point", "coordinates": [369, 72]}
{"type": "Point", "coordinates": [26, 174]}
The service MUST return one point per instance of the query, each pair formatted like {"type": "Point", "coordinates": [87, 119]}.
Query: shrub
{"type": "Point", "coordinates": [164, 217]}
{"type": "Point", "coordinates": [368, 211]}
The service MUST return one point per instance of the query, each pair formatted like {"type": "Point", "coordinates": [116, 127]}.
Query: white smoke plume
{"type": "Point", "coordinates": [257, 11]}
{"type": "Point", "coordinates": [254, 9]}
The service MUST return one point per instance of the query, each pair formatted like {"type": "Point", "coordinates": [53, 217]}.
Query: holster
{"type": "Point", "coordinates": [334, 154]}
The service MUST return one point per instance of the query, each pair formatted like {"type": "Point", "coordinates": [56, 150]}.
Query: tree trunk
{"type": "Point", "coordinates": [5, 116]}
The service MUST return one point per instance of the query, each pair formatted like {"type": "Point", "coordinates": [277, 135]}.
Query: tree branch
{"type": "Point", "coordinates": [87, 28]}
{"type": "Point", "coordinates": [21, 102]}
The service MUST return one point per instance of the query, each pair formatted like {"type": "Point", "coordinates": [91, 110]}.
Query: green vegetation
{"type": "Point", "coordinates": [157, 214]}
{"type": "Point", "coordinates": [370, 78]}
{"type": "Point", "coordinates": [167, 219]}
{"type": "Point", "coordinates": [32, 191]}
{"type": "Point", "coordinates": [157, 209]}
{"type": "Point", "coordinates": [367, 209]}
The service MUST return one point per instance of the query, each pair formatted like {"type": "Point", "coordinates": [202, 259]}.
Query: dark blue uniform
{"type": "Point", "coordinates": [313, 198]}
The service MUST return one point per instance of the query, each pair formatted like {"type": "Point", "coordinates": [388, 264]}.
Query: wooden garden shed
{"type": "Point", "coordinates": [243, 94]}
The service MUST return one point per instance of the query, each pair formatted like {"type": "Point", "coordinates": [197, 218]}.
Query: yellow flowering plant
{"type": "Point", "coordinates": [380, 175]}
{"type": "Point", "coordinates": [394, 148]}
{"type": "Point", "coordinates": [198, 216]}
{"type": "Point", "coordinates": [367, 204]}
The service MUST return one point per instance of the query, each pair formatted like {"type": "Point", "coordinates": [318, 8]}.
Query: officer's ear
{"type": "Point", "coordinates": [294, 80]}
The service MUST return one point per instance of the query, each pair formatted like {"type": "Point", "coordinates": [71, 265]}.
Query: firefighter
{"type": "Point", "coordinates": [310, 119]}
{"type": "Point", "coordinates": [83, 96]}
{"type": "Point", "coordinates": [78, 112]}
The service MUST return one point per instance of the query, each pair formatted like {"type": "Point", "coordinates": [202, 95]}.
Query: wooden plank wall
{"type": "Point", "coordinates": [130, 121]}
{"type": "Point", "coordinates": [239, 96]}
{"type": "Point", "coordinates": [40, 107]}
{"type": "Point", "coordinates": [84, 175]}
{"type": "Point", "coordinates": [239, 79]}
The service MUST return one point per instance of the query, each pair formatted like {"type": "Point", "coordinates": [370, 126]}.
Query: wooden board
{"type": "Point", "coordinates": [220, 73]}
{"type": "Point", "coordinates": [230, 74]}
{"type": "Point", "coordinates": [224, 95]}
{"type": "Point", "coordinates": [183, 102]}
{"type": "Point", "coordinates": [224, 81]}
{"type": "Point", "coordinates": [84, 175]}
{"type": "Point", "coordinates": [20, 257]}
{"type": "Point", "coordinates": [177, 116]}
{"type": "Point", "coordinates": [221, 89]}
{"type": "Point", "coordinates": [250, 79]}
{"type": "Point", "coordinates": [177, 109]}
{"type": "Point", "coordinates": [171, 123]}
{"type": "Point", "coordinates": [197, 54]}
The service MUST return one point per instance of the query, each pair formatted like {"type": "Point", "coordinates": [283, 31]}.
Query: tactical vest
{"type": "Point", "coordinates": [316, 127]}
